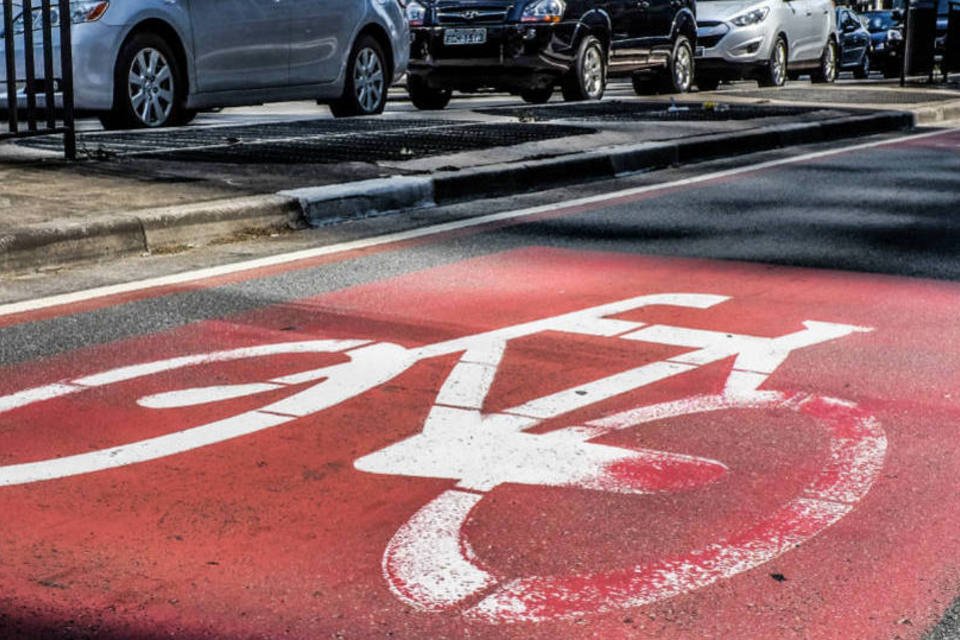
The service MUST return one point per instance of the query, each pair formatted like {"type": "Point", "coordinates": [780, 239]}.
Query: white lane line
{"type": "Point", "coordinates": [424, 232]}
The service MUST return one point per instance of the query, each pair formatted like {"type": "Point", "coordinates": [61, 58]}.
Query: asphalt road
{"type": "Point", "coordinates": [823, 509]}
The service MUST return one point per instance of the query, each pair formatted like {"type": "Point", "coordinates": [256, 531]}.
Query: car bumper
{"type": "Point", "coordinates": [739, 46]}
{"type": "Point", "coordinates": [513, 56]}
{"type": "Point", "coordinates": [94, 53]}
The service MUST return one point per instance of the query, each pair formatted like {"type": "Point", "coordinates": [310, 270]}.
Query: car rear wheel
{"type": "Point", "coordinates": [587, 78]}
{"type": "Point", "coordinates": [148, 90]}
{"type": "Point", "coordinates": [827, 71]}
{"type": "Point", "coordinates": [365, 91]}
{"type": "Point", "coordinates": [863, 71]}
{"type": "Point", "coordinates": [427, 98]}
{"type": "Point", "coordinates": [679, 76]}
{"type": "Point", "coordinates": [775, 73]}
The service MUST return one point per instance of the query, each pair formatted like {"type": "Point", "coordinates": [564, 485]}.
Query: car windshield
{"type": "Point", "coordinates": [880, 21]}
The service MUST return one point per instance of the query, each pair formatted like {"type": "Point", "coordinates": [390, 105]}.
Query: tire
{"type": "Point", "coordinates": [538, 95]}
{"type": "Point", "coordinates": [680, 70]}
{"type": "Point", "coordinates": [826, 72]}
{"type": "Point", "coordinates": [862, 72]}
{"type": "Point", "coordinates": [708, 83]}
{"type": "Point", "coordinates": [365, 89]}
{"type": "Point", "coordinates": [587, 78]}
{"type": "Point", "coordinates": [149, 89]}
{"type": "Point", "coordinates": [426, 98]}
{"type": "Point", "coordinates": [644, 85]}
{"type": "Point", "coordinates": [775, 74]}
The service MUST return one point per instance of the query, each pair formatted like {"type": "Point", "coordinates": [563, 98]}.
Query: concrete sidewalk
{"type": "Point", "coordinates": [138, 192]}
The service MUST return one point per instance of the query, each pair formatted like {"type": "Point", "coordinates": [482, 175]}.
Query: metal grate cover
{"type": "Point", "coordinates": [835, 95]}
{"type": "Point", "coordinates": [126, 142]}
{"type": "Point", "coordinates": [377, 146]}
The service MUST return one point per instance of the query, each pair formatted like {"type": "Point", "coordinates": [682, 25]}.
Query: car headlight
{"type": "Point", "coordinates": [543, 11]}
{"type": "Point", "coordinates": [80, 11]}
{"type": "Point", "coordinates": [893, 35]}
{"type": "Point", "coordinates": [87, 10]}
{"type": "Point", "coordinates": [416, 13]}
{"type": "Point", "coordinates": [751, 17]}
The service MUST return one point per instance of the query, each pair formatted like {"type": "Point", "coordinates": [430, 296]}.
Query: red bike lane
{"type": "Point", "coordinates": [824, 508]}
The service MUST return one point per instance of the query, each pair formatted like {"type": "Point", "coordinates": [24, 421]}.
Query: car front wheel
{"type": "Point", "coordinates": [147, 87]}
{"type": "Point", "coordinates": [427, 98]}
{"type": "Point", "coordinates": [365, 90]}
{"type": "Point", "coordinates": [537, 95]}
{"type": "Point", "coordinates": [587, 78]}
{"type": "Point", "coordinates": [775, 74]}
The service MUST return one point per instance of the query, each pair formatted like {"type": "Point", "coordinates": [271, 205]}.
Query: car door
{"type": "Point", "coordinates": [320, 38]}
{"type": "Point", "coordinates": [628, 21]}
{"type": "Point", "coordinates": [854, 38]}
{"type": "Point", "coordinates": [659, 21]}
{"type": "Point", "coordinates": [240, 44]}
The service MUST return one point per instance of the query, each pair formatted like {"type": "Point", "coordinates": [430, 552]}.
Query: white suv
{"type": "Point", "coordinates": [769, 41]}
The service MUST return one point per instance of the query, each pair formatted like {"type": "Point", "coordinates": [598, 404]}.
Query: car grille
{"type": "Point", "coordinates": [471, 15]}
{"type": "Point", "coordinates": [709, 34]}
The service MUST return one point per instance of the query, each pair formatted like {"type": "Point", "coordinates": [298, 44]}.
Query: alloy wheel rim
{"type": "Point", "coordinates": [593, 72]}
{"type": "Point", "coordinates": [830, 65]}
{"type": "Point", "coordinates": [150, 87]}
{"type": "Point", "coordinates": [779, 64]}
{"type": "Point", "coordinates": [368, 79]}
{"type": "Point", "coordinates": [682, 71]}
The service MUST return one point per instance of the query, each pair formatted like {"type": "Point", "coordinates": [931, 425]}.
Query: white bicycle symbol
{"type": "Point", "coordinates": [429, 563]}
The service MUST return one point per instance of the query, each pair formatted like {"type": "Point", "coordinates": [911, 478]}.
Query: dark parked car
{"type": "Point", "coordinates": [886, 36]}
{"type": "Point", "coordinates": [531, 46]}
{"type": "Point", "coordinates": [854, 42]}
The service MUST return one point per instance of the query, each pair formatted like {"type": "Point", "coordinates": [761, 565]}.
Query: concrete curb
{"type": "Point", "coordinates": [112, 235]}
{"type": "Point", "coordinates": [91, 238]}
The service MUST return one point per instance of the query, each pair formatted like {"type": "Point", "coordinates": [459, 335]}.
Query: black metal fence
{"type": "Point", "coordinates": [29, 29]}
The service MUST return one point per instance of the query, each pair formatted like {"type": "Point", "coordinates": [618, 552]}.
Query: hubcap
{"type": "Point", "coordinates": [683, 69]}
{"type": "Point", "coordinates": [593, 72]}
{"type": "Point", "coordinates": [150, 87]}
{"type": "Point", "coordinates": [368, 82]}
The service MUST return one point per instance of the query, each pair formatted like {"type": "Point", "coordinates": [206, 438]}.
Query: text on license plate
{"type": "Point", "coordinates": [464, 36]}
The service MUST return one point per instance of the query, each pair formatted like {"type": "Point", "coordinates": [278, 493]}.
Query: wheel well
{"type": "Point", "coordinates": [378, 33]}
{"type": "Point", "coordinates": [686, 26]}
{"type": "Point", "coordinates": [170, 36]}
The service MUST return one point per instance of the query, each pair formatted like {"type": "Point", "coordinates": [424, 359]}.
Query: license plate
{"type": "Point", "coordinates": [464, 36]}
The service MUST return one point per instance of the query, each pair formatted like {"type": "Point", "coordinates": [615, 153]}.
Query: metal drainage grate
{"type": "Point", "coordinates": [642, 111]}
{"type": "Point", "coordinates": [374, 147]}
{"type": "Point", "coordinates": [126, 142]}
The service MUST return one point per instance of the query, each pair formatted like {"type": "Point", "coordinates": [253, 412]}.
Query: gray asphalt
{"type": "Point", "coordinates": [891, 210]}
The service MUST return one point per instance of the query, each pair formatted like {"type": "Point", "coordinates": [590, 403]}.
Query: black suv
{"type": "Point", "coordinates": [528, 47]}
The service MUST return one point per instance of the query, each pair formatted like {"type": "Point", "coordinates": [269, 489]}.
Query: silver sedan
{"type": "Point", "coordinates": [153, 63]}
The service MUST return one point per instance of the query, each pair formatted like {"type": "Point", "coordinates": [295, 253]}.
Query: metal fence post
{"type": "Point", "coordinates": [66, 81]}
